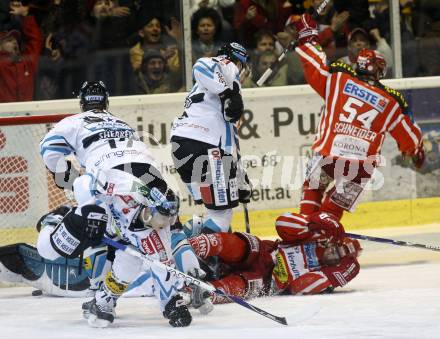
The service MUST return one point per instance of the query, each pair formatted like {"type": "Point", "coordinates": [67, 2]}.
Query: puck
{"type": "Point", "coordinates": [37, 293]}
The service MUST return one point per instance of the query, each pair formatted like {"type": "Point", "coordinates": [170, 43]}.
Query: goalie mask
{"type": "Point", "coordinates": [93, 95]}
{"type": "Point", "coordinates": [371, 64]}
{"type": "Point", "coordinates": [161, 209]}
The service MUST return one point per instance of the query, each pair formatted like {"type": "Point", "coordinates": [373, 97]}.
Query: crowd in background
{"type": "Point", "coordinates": [49, 47]}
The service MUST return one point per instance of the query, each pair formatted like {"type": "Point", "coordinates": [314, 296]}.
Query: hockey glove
{"type": "Point", "coordinates": [232, 103]}
{"type": "Point", "coordinates": [342, 273]}
{"type": "Point", "coordinates": [198, 298]}
{"type": "Point", "coordinates": [96, 224]}
{"type": "Point", "coordinates": [307, 29]}
{"type": "Point", "coordinates": [419, 157]}
{"type": "Point", "coordinates": [177, 312]}
{"type": "Point", "coordinates": [77, 232]}
{"type": "Point", "coordinates": [326, 225]}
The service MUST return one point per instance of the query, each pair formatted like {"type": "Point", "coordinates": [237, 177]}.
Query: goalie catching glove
{"type": "Point", "coordinates": [232, 103]}
{"type": "Point", "coordinates": [77, 232]}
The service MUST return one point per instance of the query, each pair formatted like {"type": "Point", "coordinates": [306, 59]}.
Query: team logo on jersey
{"type": "Point", "coordinates": [310, 255]}
{"type": "Point", "coordinates": [366, 95]}
{"type": "Point", "coordinates": [218, 177]}
{"type": "Point", "coordinates": [153, 244]}
{"type": "Point", "coordinates": [280, 269]}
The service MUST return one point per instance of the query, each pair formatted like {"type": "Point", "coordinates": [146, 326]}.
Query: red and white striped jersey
{"type": "Point", "coordinates": [298, 260]}
{"type": "Point", "coordinates": [357, 114]}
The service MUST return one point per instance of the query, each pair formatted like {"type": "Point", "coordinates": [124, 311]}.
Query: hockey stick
{"type": "Point", "coordinates": [189, 279]}
{"type": "Point", "coordinates": [290, 47]}
{"type": "Point", "coordinates": [243, 175]}
{"type": "Point", "coordinates": [393, 242]}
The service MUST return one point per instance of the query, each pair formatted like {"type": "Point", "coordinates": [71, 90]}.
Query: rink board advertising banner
{"type": "Point", "coordinates": [275, 137]}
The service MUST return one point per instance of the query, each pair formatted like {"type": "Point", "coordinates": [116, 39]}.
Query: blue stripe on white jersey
{"type": "Point", "coordinates": [205, 69]}
{"type": "Point", "coordinates": [52, 144]}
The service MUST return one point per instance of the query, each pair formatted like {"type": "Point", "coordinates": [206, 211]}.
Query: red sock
{"type": "Point", "coordinates": [310, 200]}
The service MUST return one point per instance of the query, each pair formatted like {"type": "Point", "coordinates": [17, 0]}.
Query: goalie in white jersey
{"type": "Point", "coordinates": [113, 156]}
{"type": "Point", "coordinates": [203, 138]}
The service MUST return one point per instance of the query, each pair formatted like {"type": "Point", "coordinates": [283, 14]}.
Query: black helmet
{"type": "Point", "coordinates": [93, 95]}
{"type": "Point", "coordinates": [234, 52]}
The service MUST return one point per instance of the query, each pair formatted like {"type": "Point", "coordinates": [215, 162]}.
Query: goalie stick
{"type": "Point", "coordinates": [132, 251]}
{"type": "Point", "coordinates": [393, 242]}
{"type": "Point", "coordinates": [290, 47]}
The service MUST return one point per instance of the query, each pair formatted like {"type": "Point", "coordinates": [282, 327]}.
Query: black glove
{"type": "Point", "coordinates": [232, 103]}
{"type": "Point", "coordinates": [96, 224]}
{"type": "Point", "coordinates": [77, 232]}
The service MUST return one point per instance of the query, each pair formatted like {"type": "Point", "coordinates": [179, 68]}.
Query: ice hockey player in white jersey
{"type": "Point", "coordinates": [203, 139]}
{"type": "Point", "coordinates": [104, 144]}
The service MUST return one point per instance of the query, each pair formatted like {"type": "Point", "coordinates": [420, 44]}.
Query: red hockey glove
{"type": "Point", "coordinates": [307, 29]}
{"type": "Point", "coordinates": [419, 157]}
{"type": "Point", "coordinates": [341, 274]}
{"type": "Point", "coordinates": [327, 225]}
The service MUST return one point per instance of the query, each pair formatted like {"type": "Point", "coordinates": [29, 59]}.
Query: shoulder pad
{"type": "Point", "coordinates": [339, 66]}
{"type": "Point", "coordinates": [398, 96]}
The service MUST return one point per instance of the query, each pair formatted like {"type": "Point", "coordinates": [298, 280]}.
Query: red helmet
{"type": "Point", "coordinates": [371, 63]}
{"type": "Point", "coordinates": [349, 247]}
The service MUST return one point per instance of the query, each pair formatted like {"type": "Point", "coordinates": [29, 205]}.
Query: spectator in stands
{"type": "Point", "coordinates": [264, 41]}
{"type": "Point", "coordinates": [262, 63]}
{"type": "Point", "coordinates": [220, 6]}
{"type": "Point", "coordinates": [153, 77]}
{"type": "Point", "coordinates": [295, 73]}
{"type": "Point", "coordinates": [359, 39]}
{"type": "Point", "coordinates": [63, 63]}
{"type": "Point", "coordinates": [112, 24]}
{"type": "Point", "coordinates": [333, 28]}
{"type": "Point", "coordinates": [359, 12]}
{"type": "Point", "coordinates": [152, 36]}
{"type": "Point", "coordinates": [410, 60]}
{"type": "Point", "coordinates": [206, 27]}
{"type": "Point", "coordinates": [252, 15]}
{"type": "Point", "coordinates": [18, 64]}
{"type": "Point", "coordinates": [429, 50]}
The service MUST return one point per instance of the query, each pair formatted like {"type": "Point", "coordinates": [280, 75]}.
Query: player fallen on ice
{"type": "Point", "coordinates": [312, 256]}
{"type": "Point", "coordinates": [204, 150]}
{"type": "Point", "coordinates": [359, 110]}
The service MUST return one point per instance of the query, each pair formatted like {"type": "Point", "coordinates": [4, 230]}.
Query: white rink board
{"type": "Point", "coordinates": [282, 124]}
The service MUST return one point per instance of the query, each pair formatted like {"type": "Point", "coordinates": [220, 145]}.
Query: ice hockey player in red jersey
{"type": "Point", "coordinates": [312, 256]}
{"type": "Point", "coordinates": [358, 111]}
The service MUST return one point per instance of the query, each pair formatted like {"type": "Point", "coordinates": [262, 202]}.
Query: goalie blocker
{"type": "Point", "coordinates": [76, 232]}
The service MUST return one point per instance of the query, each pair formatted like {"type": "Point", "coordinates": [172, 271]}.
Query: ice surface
{"type": "Point", "coordinates": [395, 297]}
